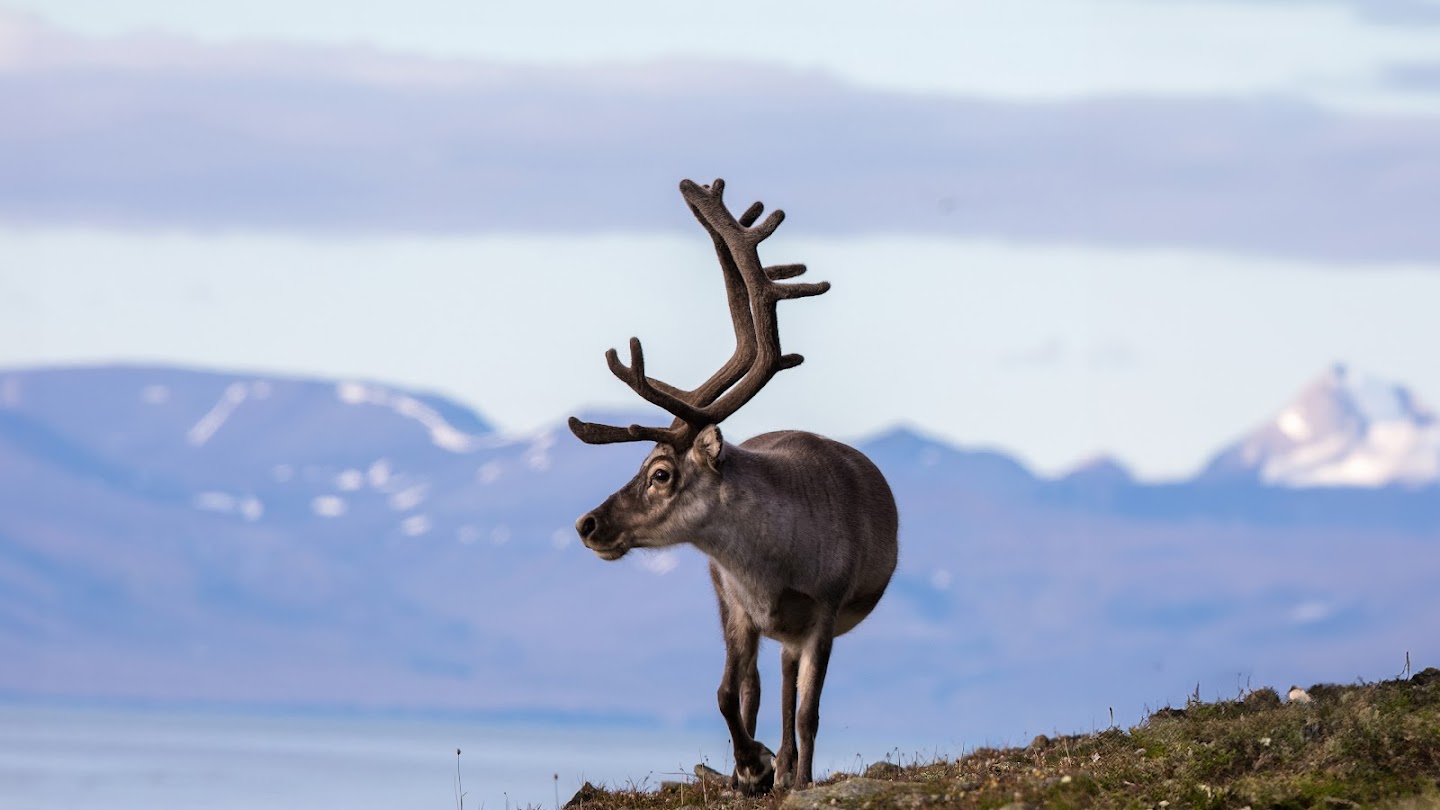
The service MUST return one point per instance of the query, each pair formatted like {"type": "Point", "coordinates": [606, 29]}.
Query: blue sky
{"type": "Point", "coordinates": [1057, 228]}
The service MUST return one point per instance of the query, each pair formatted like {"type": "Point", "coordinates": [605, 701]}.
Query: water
{"type": "Point", "coordinates": [128, 760]}
{"type": "Point", "coordinates": [54, 758]}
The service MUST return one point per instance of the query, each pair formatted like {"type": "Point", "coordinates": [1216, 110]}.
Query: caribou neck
{"type": "Point", "coordinates": [747, 518]}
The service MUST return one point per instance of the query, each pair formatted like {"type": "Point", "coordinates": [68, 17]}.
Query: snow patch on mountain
{"type": "Point", "coordinates": [155, 394]}
{"type": "Point", "coordinates": [246, 506]}
{"type": "Point", "coordinates": [660, 563]}
{"type": "Point", "coordinates": [537, 455]}
{"type": "Point", "coordinates": [415, 525]}
{"type": "Point", "coordinates": [442, 434]}
{"type": "Point", "coordinates": [329, 506]}
{"type": "Point", "coordinates": [201, 432]}
{"type": "Point", "coordinates": [409, 498]}
{"type": "Point", "coordinates": [1346, 428]}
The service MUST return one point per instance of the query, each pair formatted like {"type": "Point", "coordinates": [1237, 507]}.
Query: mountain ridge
{"type": "Point", "coordinates": [328, 544]}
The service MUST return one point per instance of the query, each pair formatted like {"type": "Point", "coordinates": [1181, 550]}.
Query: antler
{"type": "Point", "coordinates": [752, 294]}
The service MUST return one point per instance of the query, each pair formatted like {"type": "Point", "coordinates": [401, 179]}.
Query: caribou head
{"type": "Point", "coordinates": [680, 477]}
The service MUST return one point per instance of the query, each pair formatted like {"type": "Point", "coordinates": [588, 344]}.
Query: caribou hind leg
{"type": "Point", "coordinates": [785, 759]}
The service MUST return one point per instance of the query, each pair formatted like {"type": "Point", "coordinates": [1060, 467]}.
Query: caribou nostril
{"type": "Point", "coordinates": [586, 526]}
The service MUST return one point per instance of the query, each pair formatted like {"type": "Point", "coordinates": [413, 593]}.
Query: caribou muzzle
{"type": "Point", "coordinates": [600, 536]}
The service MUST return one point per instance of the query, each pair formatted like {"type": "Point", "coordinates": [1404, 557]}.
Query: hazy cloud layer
{"type": "Point", "coordinates": [1397, 12]}
{"type": "Point", "coordinates": [178, 135]}
{"type": "Point", "coordinates": [1417, 76]}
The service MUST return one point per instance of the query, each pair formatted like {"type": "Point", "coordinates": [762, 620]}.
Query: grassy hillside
{"type": "Point", "coordinates": [1349, 746]}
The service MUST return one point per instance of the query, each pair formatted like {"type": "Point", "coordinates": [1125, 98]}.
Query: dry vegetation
{"type": "Point", "coordinates": [1351, 746]}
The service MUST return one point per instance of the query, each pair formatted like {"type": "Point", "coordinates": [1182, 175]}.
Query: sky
{"type": "Point", "coordinates": [1059, 228]}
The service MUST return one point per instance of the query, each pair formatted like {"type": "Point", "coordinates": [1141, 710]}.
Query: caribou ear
{"type": "Point", "coordinates": [709, 447]}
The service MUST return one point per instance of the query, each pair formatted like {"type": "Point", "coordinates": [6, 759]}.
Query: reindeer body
{"type": "Point", "coordinates": [808, 525]}
{"type": "Point", "coordinates": [800, 530]}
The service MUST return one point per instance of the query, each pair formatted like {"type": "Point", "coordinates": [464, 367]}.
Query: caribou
{"type": "Point", "coordinates": [800, 530]}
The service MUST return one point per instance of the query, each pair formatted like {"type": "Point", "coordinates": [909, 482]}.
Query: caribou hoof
{"type": "Point", "coordinates": [757, 776]}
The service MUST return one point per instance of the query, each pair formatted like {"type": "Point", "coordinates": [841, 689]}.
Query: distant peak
{"type": "Point", "coordinates": [903, 433]}
{"type": "Point", "coordinates": [1100, 467]}
{"type": "Point", "coordinates": [1345, 428]}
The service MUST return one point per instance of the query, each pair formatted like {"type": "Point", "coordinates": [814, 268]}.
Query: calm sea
{"type": "Point", "coordinates": [63, 759]}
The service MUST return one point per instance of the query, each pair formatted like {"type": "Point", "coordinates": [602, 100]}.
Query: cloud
{"type": "Point", "coordinates": [161, 132]}
{"type": "Point", "coordinates": [1397, 12]}
{"type": "Point", "coordinates": [1418, 76]}
{"type": "Point", "coordinates": [1390, 12]}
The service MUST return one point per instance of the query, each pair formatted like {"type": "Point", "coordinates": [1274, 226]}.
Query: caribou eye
{"type": "Point", "coordinates": [660, 476]}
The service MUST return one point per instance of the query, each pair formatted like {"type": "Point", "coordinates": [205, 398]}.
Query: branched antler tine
{"type": "Point", "coordinates": [752, 213]}
{"type": "Point", "coordinates": [640, 433]}
{"type": "Point", "coordinates": [778, 272]}
{"type": "Point", "coordinates": [635, 371]}
{"type": "Point", "coordinates": [762, 231]}
{"type": "Point", "coordinates": [594, 433]}
{"type": "Point", "coordinates": [785, 292]}
{"type": "Point", "coordinates": [753, 290]}
{"type": "Point", "coordinates": [670, 398]}
{"type": "Point", "coordinates": [703, 204]}
{"type": "Point", "coordinates": [668, 389]}
{"type": "Point", "coordinates": [612, 359]}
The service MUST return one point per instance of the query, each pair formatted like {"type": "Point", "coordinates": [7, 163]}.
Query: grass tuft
{"type": "Point", "coordinates": [1360, 745]}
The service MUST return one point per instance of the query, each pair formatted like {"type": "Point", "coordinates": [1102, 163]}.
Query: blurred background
{"type": "Point", "coordinates": [1134, 304]}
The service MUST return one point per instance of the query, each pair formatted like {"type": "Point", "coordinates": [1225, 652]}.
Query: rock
{"type": "Point", "coordinates": [1040, 743]}
{"type": "Point", "coordinates": [1298, 695]}
{"type": "Point", "coordinates": [857, 793]}
{"type": "Point", "coordinates": [883, 770]}
{"type": "Point", "coordinates": [586, 793]}
{"type": "Point", "coordinates": [1426, 675]}
{"type": "Point", "coordinates": [707, 772]}
{"type": "Point", "coordinates": [1264, 698]}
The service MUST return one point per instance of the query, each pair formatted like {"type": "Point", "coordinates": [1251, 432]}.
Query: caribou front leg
{"type": "Point", "coordinates": [814, 659]}
{"type": "Point", "coordinates": [750, 694]}
{"type": "Point", "coordinates": [754, 763]}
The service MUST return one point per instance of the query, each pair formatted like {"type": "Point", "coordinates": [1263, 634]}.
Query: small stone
{"type": "Point", "coordinates": [1424, 676]}
{"type": "Point", "coordinates": [1265, 741]}
{"type": "Point", "coordinates": [586, 793]}
{"type": "Point", "coordinates": [1040, 743]}
{"type": "Point", "coordinates": [1263, 698]}
{"type": "Point", "coordinates": [882, 770]}
{"type": "Point", "coordinates": [857, 792]}
{"type": "Point", "coordinates": [707, 772]}
{"type": "Point", "coordinates": [1298, 695]}
{"type": "Point", "coordinates": [1066, 779]}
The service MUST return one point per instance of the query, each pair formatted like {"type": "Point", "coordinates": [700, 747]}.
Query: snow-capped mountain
{"type": "Point", "coordinates": [1345, 429]}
